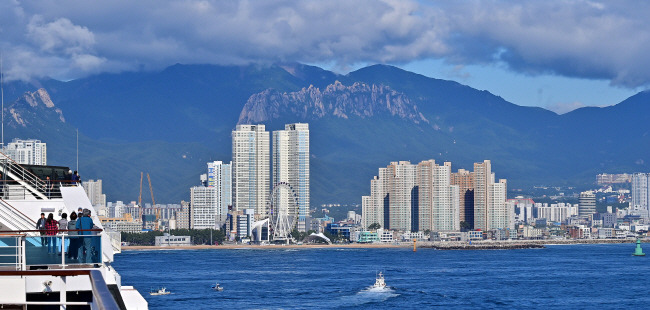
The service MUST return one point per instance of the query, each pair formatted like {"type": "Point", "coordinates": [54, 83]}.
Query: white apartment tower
{"type": "Point", "coordinates": [641, 194]}
{"type": "Point", "coordinates": [203, 201]}
{"type": "Point", "coordinates": [220, 176]}
{"type": "Point", "coordinates": [209, 204]}
{"type": "Point", "coordinates": [94, 192]}
{"type": "Point", "coordinates": [291, 166]}
{"type": "Point", "coordinates": [250, 169]}
{"type": "Point", "coordinates": [27, 152]}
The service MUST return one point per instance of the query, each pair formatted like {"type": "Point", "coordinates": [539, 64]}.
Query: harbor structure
{"type": "Point", "coordinates": [250, 169]}
{"type": "Point", "coordinates": [291, 166]}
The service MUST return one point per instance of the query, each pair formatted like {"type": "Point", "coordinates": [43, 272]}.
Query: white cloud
{"type": "Point", "coordinates": [588, 39]}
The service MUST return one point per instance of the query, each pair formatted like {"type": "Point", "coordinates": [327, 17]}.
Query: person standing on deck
{"type": "Point", "coordinates": [51, 229]}
{"type": "Point", "coordinates": [40, 225]}
{"type": "Point", "coordinates": [85, 223]}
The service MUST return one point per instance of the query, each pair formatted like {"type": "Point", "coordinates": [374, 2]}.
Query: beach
{"type": "Point", "coordinates": [513, 244]}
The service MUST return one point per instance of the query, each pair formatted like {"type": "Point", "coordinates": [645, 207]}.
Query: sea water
{"type": "Point", "coordinates": [559, 276]}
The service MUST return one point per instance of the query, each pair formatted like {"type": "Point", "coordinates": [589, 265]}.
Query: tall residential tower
{"type": "Point", "coordinates": [291, 166]}
{"type": "Point", "coordinates": [250, 169]}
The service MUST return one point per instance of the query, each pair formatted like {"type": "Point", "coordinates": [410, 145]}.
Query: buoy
{"type": "Point", "coordinates": [414, 245]}
{"type": "Point", "coordinates": [638, 251]}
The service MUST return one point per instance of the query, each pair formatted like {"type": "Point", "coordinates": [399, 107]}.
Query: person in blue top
{"type": "Point", "coordinates": [85, 248]}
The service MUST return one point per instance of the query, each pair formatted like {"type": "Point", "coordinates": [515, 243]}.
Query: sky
{"type": "Point", "coordinates": [559, 55]}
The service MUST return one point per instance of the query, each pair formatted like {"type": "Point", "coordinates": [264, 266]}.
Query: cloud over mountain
{"type": "Point", "coordinates": [69, 39]}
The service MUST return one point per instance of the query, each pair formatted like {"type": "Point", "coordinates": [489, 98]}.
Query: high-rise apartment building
{"type": "Point", "coordinates": [250, 169]}
{"type": "Point", "coordinates": [94, 192]}
{"type": "Point", "coordinates": [640, 194]}
{"type": "Point", "coordinates": [498, 212]}
{"type": "Point", "coordinates": [483, 178]}
{"type": "Point", "coordinates": [203, 201]}
{"type": "Point", "coordinates": [437, 199]}
{"type": "Point", "coordinates": [465, 181]}
{"type": "Point", "coordinates": [220, 176]}
{"type": "Point", "coordinates": [182, 216]}
{"type": "Point", "coordinates": [411, 197]}
{"type": "Point", "coordinates": [209, 204]}
{"type": "Point", "coordinates": [291, 166]}
{"type": "Point", "coordinates": [402, 196]}
{"type": "Point", "coordinates": [587, 204]}
{"type": "Point", "coordinates": [490, 209]}
{"type": "Point", "coordinates": [27, 152]}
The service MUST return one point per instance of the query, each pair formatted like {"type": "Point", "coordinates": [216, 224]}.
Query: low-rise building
{"type": "Point", "coordinates": [169, 240]}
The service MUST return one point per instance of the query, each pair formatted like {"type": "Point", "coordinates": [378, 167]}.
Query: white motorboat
{"type": "Point", "coordinates": [160, 291]}
{"type": "Point", "coordinates": [379, 282]}
{"type": "Point", "coordinates": [217, 287]}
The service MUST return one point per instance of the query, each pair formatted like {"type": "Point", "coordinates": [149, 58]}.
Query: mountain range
{"type": "Point", "coordinates": [171, 122]}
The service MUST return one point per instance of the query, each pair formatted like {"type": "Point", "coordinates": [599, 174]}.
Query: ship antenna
{"type": "Point", "coordinates": [2, 94]}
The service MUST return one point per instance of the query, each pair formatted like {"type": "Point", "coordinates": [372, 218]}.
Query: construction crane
{"type": "Point", "coordinates": [153, 200]}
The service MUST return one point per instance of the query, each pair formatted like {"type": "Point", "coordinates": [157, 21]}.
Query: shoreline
{"type": "Point", "coordinates": [512, 244]}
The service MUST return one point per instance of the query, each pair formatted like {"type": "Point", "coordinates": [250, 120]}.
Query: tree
{"type": "Point", "coordinates": [374, 226]}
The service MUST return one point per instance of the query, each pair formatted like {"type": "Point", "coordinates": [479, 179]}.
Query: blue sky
{"type": "Point", "coordinates": [558, 55]}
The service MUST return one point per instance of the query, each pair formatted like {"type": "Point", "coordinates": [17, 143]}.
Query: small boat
{"type": "Point", "coordinates": [217, 287]}
{"type": "Point", "coordinates": [379, 282]}
{"type": "Point", "coordinates": [160, 291]}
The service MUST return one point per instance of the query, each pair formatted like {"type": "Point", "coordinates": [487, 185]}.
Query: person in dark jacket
{"type": "Point", "coordinates": [73, 249]}
{"type": "Point", "coordinates": [40, 225]}
{"type": "Point", "coordinates": [85, 248]}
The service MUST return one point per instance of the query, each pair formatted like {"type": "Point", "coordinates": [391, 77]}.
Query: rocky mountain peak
{"type": "Point", "coordinates": [33, 106]}
{"type": "Point", "coordinates": [336, 100]}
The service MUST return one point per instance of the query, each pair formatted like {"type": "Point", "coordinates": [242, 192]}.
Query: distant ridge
{"type": "Point", "coordinates": [171, 122]}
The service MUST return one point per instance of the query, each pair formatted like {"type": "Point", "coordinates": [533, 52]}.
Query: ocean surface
{"type": "Point", "coordinates": [559, 276]}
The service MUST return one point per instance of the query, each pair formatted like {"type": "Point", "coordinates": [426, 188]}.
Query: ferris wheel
{"type": "Point", "coordinates": [283, 210]}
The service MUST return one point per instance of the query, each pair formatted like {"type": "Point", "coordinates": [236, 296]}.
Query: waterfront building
{"type": "Point", "coordinates": [250, 168]}
{"type": "Point", "coordinates": [206, 212]}
{"type": "Point", "coordinates": [169, 240]}
{"type": "Point", "coordinates": [182, 216]}
{"type": "Point", "coordinates": [245, 223]}
{"type": "Point", "coordinates": [587, 204]}
{"type": "Point", "coordinates": [498, 211]}
{"type": "Point", "coordinates": [640, 194]}
{"type": "Point", "coordinates": [94, 192]}
{"type": "Point", "coordinates": [291, 166]}
{"type": "Point", "coordinates": [437, 200]}
{"type": "Point", "coordinates": [401, 179]}
{"type": "Point", "coordinates": [464, 179]}
{"type": "Point", "coordinates": [482, 180]}
{"type": "Point", "coordinates": [27, 152]}
{"type": "Point", "coordinates": [490, 211]}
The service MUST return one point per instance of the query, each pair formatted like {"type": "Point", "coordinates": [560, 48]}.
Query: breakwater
{"type": "Point", "coordinates": [484, 246]}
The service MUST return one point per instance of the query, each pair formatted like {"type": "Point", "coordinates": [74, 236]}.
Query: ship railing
{"type": "Point", "coordinates": [15, 190]}
{"type": "Point", "coordinates": [65, 249]}
{"type": "Point", "coordinates": [12, 247]}
{"type": "Point", "coordinates": [14, 171]}
{"type": "Point", "coordinates": [101, 295]}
